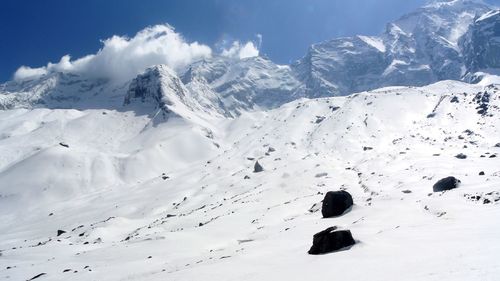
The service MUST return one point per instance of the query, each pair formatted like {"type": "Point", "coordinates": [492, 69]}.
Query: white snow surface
{"type": "Point", "coordinates": [375, 42]}
{"type": "Point", "coordinates": [488, 15]}
{"type": "Point", "coordinates": [142, 198]}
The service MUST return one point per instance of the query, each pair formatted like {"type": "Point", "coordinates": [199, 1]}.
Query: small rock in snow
{"type": "Point", "coordinates": [63, 144]}
{"type": "Point", "coordinates": [257, 168]}
{"type": "Point", "coordinates": [320, 175]}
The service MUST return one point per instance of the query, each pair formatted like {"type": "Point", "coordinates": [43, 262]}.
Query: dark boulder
{"type": "Point", "coordinates": [469, 132]}
{"type": "Point", "coordinates": [257, 168]}
{"type": "Point", "coordinates": [461, 156]}
{"type": "Point", "coordinates": [37, 276]}
{"type": "Point", "coordinates": [329, 240]}
{"type": "Point", "coordinates": [60, 232]}
{"type": "Point", "coordinates": [319, 119]}
{"type": "Point", "coordinates": [63, 144]}
{"type": "Point", "coordinates": [446, 184]}
{"type": "Point", "coordinates": [481, 173]}
{"type": "Point", "coordinates": [336, 203]}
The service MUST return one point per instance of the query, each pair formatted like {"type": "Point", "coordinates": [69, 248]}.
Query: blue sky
{"type": "Point", "coordinates": [35, 32]}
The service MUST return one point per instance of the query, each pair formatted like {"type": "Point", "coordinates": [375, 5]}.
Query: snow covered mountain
{"type": "Point", "coordinates": [342, 66]}
{"type": "Point", "coordinates": [455, 40]}
{"type": "Point", "coordinates": [161, 88]}
{"type": "Point", "coordinates": [153, 178]}
{"type": "Point", "coordinates": [419, 48]}
{"type": "Point", "coordinates": [245, 83]}
{"type": "Point", "coordinates": [60, 90]}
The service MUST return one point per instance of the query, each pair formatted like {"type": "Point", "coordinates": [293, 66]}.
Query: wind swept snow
{"type": "Point", "coordinates": [375, 42]}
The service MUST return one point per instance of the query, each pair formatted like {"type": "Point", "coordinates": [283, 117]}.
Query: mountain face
{"type": "Point", "coordinates": [340, 66]}
{"type": "Point", "coordinates": [245, 83]}
{"type": "Point", "coordinates": [161, 88]}
{"type": "Point", "coordinates": [216, 87]}
{"type": "Point", "coordinates": [60, 90]}
{"type": "Point", "coordinates": [481, 43]}
{"type": "Point", "coordinates": [419, 48]}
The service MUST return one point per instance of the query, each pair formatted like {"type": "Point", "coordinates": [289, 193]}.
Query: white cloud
{"type": "Point", "coordinates": [248, 50]}
{"type": "Point", "coordinates": [122, 58]}
{"type": "Point", "coordinates": [241, 51]}
{"type": "Point", "coordinates": [26, 72]}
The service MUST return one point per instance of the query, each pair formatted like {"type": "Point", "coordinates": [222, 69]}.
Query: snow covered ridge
{"type": "Point", "coordinates": [444, 40]}
{"type": "Point", "coordinates": [110, 194]}
{"type": "Point", "coordinates": [211, 87]}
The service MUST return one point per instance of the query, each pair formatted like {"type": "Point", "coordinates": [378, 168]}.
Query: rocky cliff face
{"type": "Point", "coordinates": [481, 44]}
{"type": "Point", "coordinates": [160, 87]}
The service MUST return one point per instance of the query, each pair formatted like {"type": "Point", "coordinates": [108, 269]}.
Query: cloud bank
{"type": "Point", "coordinates": [122, 58]}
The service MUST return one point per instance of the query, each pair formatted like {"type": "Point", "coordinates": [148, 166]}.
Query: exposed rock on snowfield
{"type": "Point", "coordinates": [329, 240]}
{"type": "Point", "coordinates": [257, 168]}
{"type": "Point", "coordinates": [446, 184]}
{"type": "Point", "coordinates": [336, 203]}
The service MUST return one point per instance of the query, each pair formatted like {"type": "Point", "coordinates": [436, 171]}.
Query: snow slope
{"type": "Point", "coordinates": [141, 199]}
